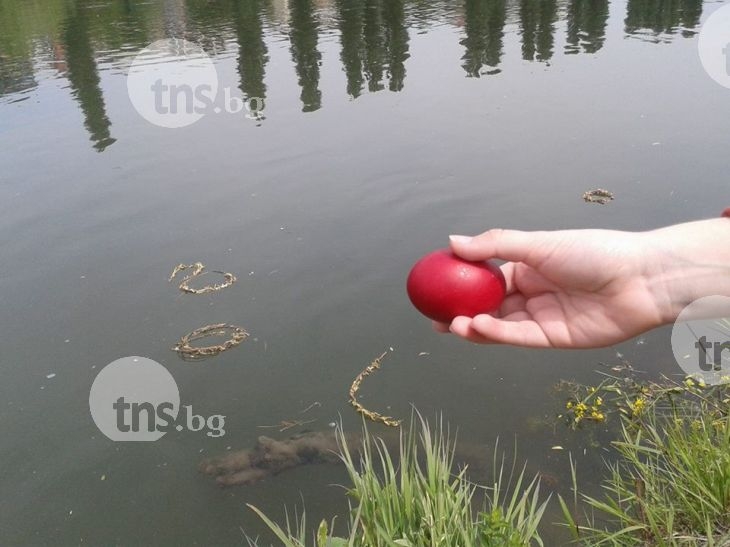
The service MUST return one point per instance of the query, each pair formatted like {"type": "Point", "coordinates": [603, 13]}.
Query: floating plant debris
{"type": "Point", "coordinates": [198, 269]}
{"type": "Point", "coordinates": [186, 350]}
{"type": "Point", "coordinates": [599, 195]}
{"type": "Point", "coordinates": [374, 416]}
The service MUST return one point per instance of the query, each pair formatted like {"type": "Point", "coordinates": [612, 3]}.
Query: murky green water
{"type": "Point", "coordinates": [387, 126]}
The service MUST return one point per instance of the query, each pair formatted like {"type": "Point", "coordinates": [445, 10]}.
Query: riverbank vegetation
{"type": "Point", "coordinates": [667, 481]}
{"type": "Point", "coordinates": [414, 498]}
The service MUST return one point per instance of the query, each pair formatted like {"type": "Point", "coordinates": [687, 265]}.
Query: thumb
{"type": "Point", "coordinates": [509, 245]}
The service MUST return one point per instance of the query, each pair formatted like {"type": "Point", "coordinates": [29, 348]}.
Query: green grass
{"type": "Point", "coordinates": [667, 484]}
{"type": "Point", "coordinates": [670, 485]}
{"type": "Point", "coordinates": [414, 499]}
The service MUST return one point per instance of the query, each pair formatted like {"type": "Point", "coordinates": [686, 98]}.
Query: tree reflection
{"type": "Point", "coordinates": [303, 37]}
{"type": "Point", "coordinates": [16, 76]}
{"type": "Point", "coordinates": [252, 50]}
{"type": "Point", "coordinates": [663, 16]}
{"type": "Point", "coordinates": [351, 40]}
{"type": "Point", "coordinates": [374, 38]}
{"type": "Point", "coordinates": [375, 44]}
{"type": "Point", "coordinates": [396, 38]}
{"type": "Point", "coordinates": [484, 28]}
{"type": "Point", "coordinates": [587, 21]}
{"type": "Point", "coordinates": [537, 18]}
{"type": "Point", "coordinates": [83, 76]}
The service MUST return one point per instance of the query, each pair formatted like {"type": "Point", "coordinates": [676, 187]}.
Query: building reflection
{"type": "Point", "coordinates": [175, 19]}
{"type": "Point", "coordinates": [206, 23]}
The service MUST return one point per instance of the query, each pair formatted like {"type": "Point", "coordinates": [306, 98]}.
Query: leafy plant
{"type": "Point", "coordinates": [416, 500]}
{"type": "Point", "coordinates": [670, 485]}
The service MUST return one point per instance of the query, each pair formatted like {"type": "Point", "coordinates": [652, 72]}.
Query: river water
{"type": "Point", "coordinates": [387, 125]}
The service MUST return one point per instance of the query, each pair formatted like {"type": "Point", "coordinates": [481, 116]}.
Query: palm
{"type": "Point", "coordinates": [576, 289]}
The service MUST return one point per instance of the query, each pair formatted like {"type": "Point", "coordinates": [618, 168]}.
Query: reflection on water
{"type": "Point", "coordinates": [16, 76]}
{"type": "Point", "coordinates": [252, 50]}
{"type": "Point", "coordinates": [509, 111]}
{"type": "Point", "coordinates": [351, 22]}
{"type": "Point", "coordinates": [374, 44]}
{"type": "Point", "coordinates": [397, 41]}
{"type": "Point", "coordinates": [586, 25]}
{"type": "Point", "coordinates": [484, 28]}
{"type": "Point", "coordinates": [83, 75]}
{"type": "Point", "coordinates": [536, 23]}
{"type": "Point", "coordinates": [658, 20]}
{"type": "Point", "coordinates": [303, 36]}
{"type": "Point", "coordinates": [77, 38]}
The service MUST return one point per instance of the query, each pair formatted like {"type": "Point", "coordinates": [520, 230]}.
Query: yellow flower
{"type": "Point", "coordinates": [599, 401]}
{"type": "Point", "coordinates": [598, 416]}
{"type": "Point", "coordinates": [689, 382]}
{"type": "Point", "coordinates": [638, 406]}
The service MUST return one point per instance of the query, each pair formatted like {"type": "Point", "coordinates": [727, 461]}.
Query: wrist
{"type": "Point", "coordinates": [690, 261]}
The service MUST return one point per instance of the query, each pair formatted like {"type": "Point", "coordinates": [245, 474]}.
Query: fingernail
{"type": "Point", "coordinates": [460, 239]}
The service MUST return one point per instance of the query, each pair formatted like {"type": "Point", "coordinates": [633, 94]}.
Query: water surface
{"type": "Point", "coordinates": [387, 126]}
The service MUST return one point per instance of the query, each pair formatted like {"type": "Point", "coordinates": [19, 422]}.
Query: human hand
{"type": "Point", "coordinates": [566, 289]}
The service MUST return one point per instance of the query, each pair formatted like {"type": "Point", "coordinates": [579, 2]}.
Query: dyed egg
{"type": "Point", "coordinates": [442, 286]}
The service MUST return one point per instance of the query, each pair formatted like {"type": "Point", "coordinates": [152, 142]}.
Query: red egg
{"type": "Point", "coordinates": [442, 286]}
